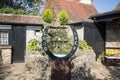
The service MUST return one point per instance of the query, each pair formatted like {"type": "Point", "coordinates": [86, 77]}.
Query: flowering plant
{"type": "Point", "coordinates": [110, 52]}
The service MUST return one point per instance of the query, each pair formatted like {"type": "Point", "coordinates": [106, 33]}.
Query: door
{"type": "Point", "coordinates": [19, 43]}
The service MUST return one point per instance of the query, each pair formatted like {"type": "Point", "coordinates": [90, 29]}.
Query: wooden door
{"type": "Point", "coordinates": [19, 43]}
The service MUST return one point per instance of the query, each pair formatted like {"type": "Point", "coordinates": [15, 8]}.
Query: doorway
{"type": "Point", "coordinates": [19, 43]}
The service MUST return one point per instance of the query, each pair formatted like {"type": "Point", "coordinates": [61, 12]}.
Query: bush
{"type": "Point", "coordinates": [13, 11]}
{"type": "Point", "coordinates": [101, 56]}
{"type": "Point", "coordinates": [47, 16]}
{"type": "Point", "coordinates": [59, 42]}
{"type": "Point", "coordinates": [84, 46]}
{"type": "Point", "coordinates": [33, 45]}
{"type": "Point", "coordinates": [63, 17]}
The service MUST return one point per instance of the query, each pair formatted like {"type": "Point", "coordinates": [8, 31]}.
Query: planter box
{"type": "Point", "coordinates": [109, 60]}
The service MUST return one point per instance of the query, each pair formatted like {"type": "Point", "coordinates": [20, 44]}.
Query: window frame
{"type": "Point", "coordinates": [8, 28]}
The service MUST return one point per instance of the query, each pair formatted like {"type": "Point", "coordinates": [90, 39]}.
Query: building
{"type": "Point", "coordinates": [15, 32]}
{"type": "Point", "coordinates": [78, 12]}
{"type": "Point", "coordinates": [108, 24]}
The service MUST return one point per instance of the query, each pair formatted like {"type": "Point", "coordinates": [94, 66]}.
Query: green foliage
{"type": "Point", "coordinates": [63, 17]}
{"type": "Point", "coordinates": [13, 11]}
{"type": "Point", "coordinates": [30, 6]}
{"type": "Point", "coordinates": [33, 45]}
{"type": "Point", "coordinates": [84, 46]}
{"type": "Point", "coordinates": [47, 16]}
{"type": "Point", "coordinates": [59, 42]}
{"type": "Point", "coordinates": [101, 56]}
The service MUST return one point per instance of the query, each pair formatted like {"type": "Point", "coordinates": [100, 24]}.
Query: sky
{"type": "Point", "coordinates": [105, 5]}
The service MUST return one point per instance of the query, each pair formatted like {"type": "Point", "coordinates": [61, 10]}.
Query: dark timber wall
{"type": "Point", "coordinates": [93, 37]}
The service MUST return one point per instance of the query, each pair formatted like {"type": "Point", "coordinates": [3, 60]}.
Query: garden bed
{"type": "Point", "coordinates": [112, 56]}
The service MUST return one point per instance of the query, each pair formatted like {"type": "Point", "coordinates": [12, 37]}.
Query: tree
{"type": "Point", "coordinates": [4, 3]}
{"type": "Point", "coordinates": [117, 7]}
{"type": "Point", "coordinates": [34, 5]}
{"type": "Point", "coordinates": [31, 6]}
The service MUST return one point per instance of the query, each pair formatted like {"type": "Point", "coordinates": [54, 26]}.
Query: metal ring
{"type": "Point", "coordinates": [49, 53]}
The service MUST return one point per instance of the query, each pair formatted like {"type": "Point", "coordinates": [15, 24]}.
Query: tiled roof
{"type": "Point", "coordinates": [117, 7]}
{"type": "Point", "coordinates": [20, 19]}
{"type": "Point", "coordinates": [77, 11]}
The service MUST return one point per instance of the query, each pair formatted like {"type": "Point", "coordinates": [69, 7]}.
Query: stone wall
{"type": "Point", "coordinates": [38, 64]}
{"type": "Point", "coordinates": [32, 34]}
{"type": "Point", "coordinates": [113, 34]}
{"type": "Point", "coordinates": [81, 63]}
{"type": "Point", "coordinates": [6, 56]}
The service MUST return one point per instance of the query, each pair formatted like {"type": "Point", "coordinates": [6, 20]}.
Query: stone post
{"type": "Point", "coordinates": [60, 70]}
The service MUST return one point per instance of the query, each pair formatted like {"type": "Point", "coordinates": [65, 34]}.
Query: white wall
{"type": "Point", "coordinates": [32, 34]}
{"type": "Point", "coordinates": [80, 31]}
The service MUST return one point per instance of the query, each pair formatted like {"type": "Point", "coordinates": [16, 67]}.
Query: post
{"type": "Point", "coordinates": [60, 66]}
{"type": "Point", "coordinates": [60, 70]}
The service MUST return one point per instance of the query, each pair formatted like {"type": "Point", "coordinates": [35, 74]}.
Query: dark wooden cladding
{"type": "Point", "coordinates": [60, 70]}
{"type": "Point", "coordinates": [112, 47]}
{"type": "Point", "coordinates": [59, 27]}
{"type": "Point", "coordinates": [95, 37]}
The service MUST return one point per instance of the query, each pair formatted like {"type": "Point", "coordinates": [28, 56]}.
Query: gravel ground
{"type": "Point", "coordinates": [97, 72]}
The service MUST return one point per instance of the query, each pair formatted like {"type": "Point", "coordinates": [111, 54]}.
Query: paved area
{"type": "Point", "coordinates": [17, 71]}
{"type": "Point", "coordinates": [101, 72]}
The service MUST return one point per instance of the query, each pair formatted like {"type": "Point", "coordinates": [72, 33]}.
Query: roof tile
{"type": "Point", "coordinates": [77, 11]}
{"type": "Point", "coordinates": [20, 19]}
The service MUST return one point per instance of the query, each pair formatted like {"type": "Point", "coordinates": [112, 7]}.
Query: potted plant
{"type": "Point", "coordinates": [47, 16]}
{"type": "Point", "coordinates": [57, 34]}
{"type": "Point", "coordinates": [63, 17]}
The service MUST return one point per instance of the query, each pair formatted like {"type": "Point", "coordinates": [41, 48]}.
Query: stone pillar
{"type": "Point", "coordinates": [6, 56]}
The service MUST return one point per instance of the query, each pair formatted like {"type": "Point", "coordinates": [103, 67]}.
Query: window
{"type": "Point", "coordinates": [37, 32]}
{"type": "Point", "coordinates": [4, 37]}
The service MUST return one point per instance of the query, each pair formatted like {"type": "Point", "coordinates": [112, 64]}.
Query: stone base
{"type": "Point", "coordinates": [6, 56]}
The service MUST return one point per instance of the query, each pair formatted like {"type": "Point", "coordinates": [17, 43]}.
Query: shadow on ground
{"type": "Point", "coordinates": [97, 72]}
{"type": "Point", "coordinates": [114, 70]}
{"type": "Point", "coordinates": [103, 72]}
{"type": "Point", "coordinates": [4, 72]}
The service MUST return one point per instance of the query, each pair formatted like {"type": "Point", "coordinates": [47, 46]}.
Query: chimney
{"type": "Point", "coordinates": [86, 1]}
